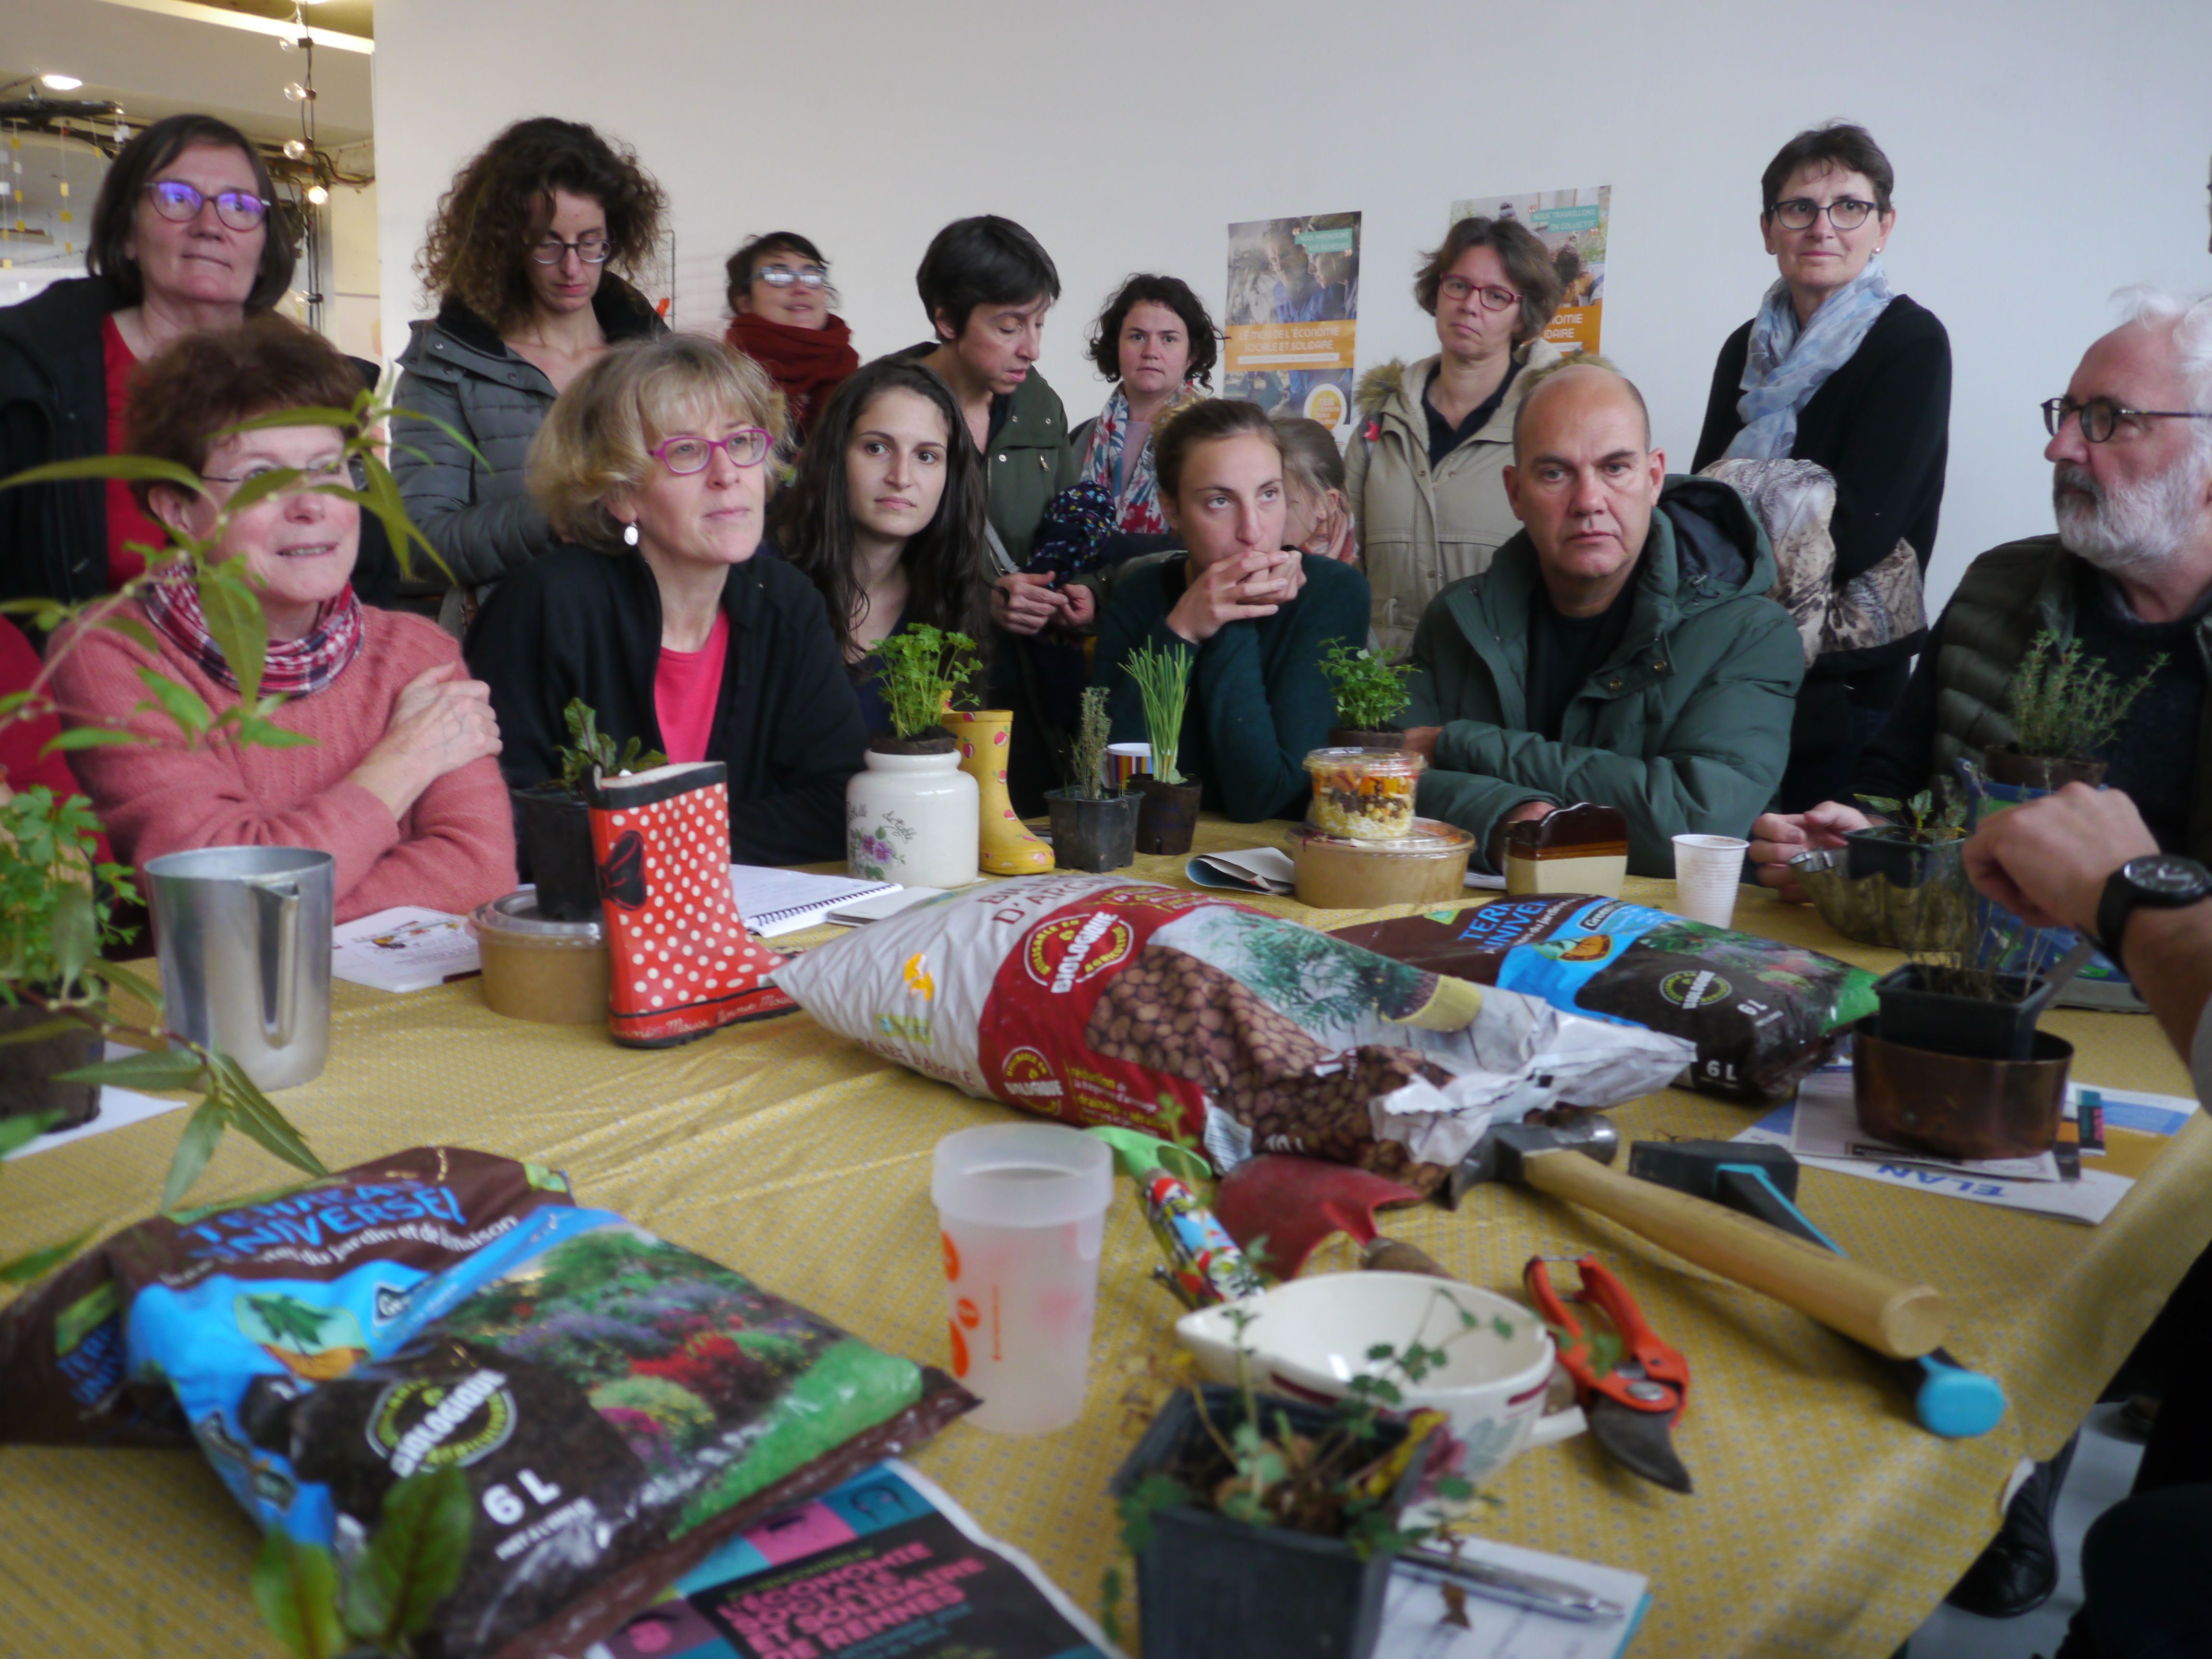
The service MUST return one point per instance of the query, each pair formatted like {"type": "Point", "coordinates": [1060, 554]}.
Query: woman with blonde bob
{"type": "Point", "coordinates": [652, 462]}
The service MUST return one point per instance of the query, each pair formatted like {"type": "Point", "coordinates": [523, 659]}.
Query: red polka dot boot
{"type": "Point", "coordinates": [680, 962]}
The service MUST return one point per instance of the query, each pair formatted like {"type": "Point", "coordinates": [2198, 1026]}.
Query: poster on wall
{"type": "Point", "coordinates": [1572, 225]}
{"type": "Point", "coordinates": [1293, 309]}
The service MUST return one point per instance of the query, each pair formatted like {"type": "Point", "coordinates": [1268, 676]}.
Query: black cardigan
{"type": "Point", "coordinates": [1881, 425]}
{"type": "Point", "coordinates": [53, 407]}
{"type": "Point", "coordinates": [578, 622]}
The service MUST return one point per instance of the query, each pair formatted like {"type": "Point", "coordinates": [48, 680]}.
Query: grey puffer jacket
{"type": "Point", "coordinates": [457, 370]}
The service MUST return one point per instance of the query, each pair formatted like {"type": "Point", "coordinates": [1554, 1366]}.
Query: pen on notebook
{"type": "Point", "coordinates": [1521, 1589]}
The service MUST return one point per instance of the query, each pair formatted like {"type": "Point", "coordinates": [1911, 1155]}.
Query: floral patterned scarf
{"type": "Point", "coordinates": [295, 668]}
{"type": "Point", "coordinates": [1139, 502]}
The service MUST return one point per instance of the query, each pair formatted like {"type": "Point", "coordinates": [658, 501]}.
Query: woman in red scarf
{"type": "Point", "coordinates": [780, 291]}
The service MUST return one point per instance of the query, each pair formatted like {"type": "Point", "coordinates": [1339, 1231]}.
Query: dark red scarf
{"type": "Point", "coordinates": [808, 363]}
{"type": "Point", "coordinates": [297, 668]}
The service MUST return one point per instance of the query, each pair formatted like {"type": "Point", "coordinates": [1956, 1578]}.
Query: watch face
{"type": "Point", "coordinates": [2165, 876]}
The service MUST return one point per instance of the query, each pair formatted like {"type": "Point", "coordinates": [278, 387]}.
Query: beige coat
{"type": "Point", "coordinates": [1420, 533]}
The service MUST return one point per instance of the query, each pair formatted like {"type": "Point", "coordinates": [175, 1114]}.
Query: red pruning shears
{"type": "Point", "coordinates": [1632, 1406]}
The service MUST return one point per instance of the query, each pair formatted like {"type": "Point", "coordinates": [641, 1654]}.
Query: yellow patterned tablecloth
{"type": "Point", "coordinates": [1825, 1522]}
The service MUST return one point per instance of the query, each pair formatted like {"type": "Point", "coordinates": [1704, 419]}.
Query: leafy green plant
{"type": "Point", "coordinates": [924, 669]}
{"type": "Point", "coordinates": [1933, 815]}
{"type": "Point", "coordinates": [590, 749]}
{"type": "Point", "coordinates": [2068, 707]}
{"type": "Point", "coordinates": [1369, 691]}
{"type": "Point", "coordinates": [1162, 677]}
{"type": "Point", "coordinates": [1092, 734]}
{"type": "Point", "coordinates": [387, 1595]}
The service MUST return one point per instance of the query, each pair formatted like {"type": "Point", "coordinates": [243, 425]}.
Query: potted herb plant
{"type": "Point", "coordinates": [1167, 817]}
{"type": "Point", "coordinates": [1093, 828]}
{"type": "Point", "coordinates": [1369, 692]}
{"type": "Point", "coordinates": [2066, 708]}
{"type": "Point", "coordinates": [911, 815]}
{"type": "Point", "coordinates": [553, 825]}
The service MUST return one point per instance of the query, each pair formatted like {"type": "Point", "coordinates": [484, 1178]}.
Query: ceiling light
{"type": "Point", "coordinates": [296, 94]}
{"type": "Point", "coordinates": [318, 195]}
{"type": "Point", "coordinates": [60, 82]}
{"type": "Point", "coordinates": [294, 148]}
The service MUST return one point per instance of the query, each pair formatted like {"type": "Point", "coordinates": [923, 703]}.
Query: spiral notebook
{"type": "Point", "coordinates": [776, 901]}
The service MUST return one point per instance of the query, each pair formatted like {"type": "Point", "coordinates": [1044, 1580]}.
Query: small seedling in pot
{"type": "Point", "coordinates": [1091, 736]}
{"type": "Point", "coordinates": [2066, 707]}
{"type": "Point", "coordinates": [925, 669]}
{"type": "Point", "coordinates": [1162, 677]}
{"type": "Point", "coordinates": [1369, 691]}
{"type": "Point", "coordinates": [590, 749]}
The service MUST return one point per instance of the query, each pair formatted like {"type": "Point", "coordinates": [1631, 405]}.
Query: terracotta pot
{"type": "Point", "coordinates": [1167, 817]}
{"type": "Point", "coordinates": [1352, 737]}
{"type": "Point", "coordinates": [553, 827]}
{"type": "Point", "coordinates": [27, 1070]}
{"type": "Point", "coordinates": [1097, 833]}
{"type": "Point", "coordinates": [2006, 764]}
{"type": "Point", "coordinates": [1956, 1106]}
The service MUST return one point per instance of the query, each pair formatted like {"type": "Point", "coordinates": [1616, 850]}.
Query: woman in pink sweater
{"type": "Point", "coordinates": [390, 766]}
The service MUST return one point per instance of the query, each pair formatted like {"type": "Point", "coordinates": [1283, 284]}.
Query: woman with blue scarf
{"type": "Point", "coordinates": [1852, 383]}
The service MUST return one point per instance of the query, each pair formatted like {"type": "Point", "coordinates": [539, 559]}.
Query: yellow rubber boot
{"type": "Point", "coordinates": [1007, 849]}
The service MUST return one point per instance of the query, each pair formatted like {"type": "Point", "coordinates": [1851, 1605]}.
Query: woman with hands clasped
{"type": "Point", "coordinates": [389, 767]}
{"type": "Point", "coordinates": [1256, 617]}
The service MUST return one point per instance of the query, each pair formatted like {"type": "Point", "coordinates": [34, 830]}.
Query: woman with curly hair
{"type": "Point", "coordinates": [523, 255]}
{"type": "Point", "coordinates": [1157, 343]}
{"type": "Point", "coordinates": [886, 517]}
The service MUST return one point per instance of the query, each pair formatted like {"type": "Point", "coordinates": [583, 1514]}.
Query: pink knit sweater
{"type": "Point", "coordinates": [453, 850]}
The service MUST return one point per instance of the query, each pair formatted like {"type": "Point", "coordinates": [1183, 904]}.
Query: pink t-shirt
{"type": "Point", "coordinates": [686, 685]}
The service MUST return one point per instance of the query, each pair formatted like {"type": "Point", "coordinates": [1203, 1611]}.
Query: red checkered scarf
{"type": "Point", "coordinates": [295, 668]}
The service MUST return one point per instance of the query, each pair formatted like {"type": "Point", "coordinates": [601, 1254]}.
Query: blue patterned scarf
{"type": "Point", "coordinates": [1140, 498]}
{"type": "Point", "coordinates": [1785, 365]}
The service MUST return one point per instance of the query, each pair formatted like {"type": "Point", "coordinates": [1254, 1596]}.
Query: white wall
{"type": "Point", "coordinates": [2047, 153]}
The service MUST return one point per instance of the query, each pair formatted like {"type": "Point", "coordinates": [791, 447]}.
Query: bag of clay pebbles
{"type": "Point", "coordinates": [1100, 1000]}
{"type": "Point", "coordinates": [1761, 1013]}
{"type": "Point", "coordinates": [617, 1404]}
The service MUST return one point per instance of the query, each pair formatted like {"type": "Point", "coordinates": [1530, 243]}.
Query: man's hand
{"type": "Point", "coordinates": [1023, 602]}
{"type": "Point", "coordinates": [1779, 838]}
{"type": "Point", "coordinates": [1527, 812]}
{"type": "Point", "coordinates": [2047, 860]}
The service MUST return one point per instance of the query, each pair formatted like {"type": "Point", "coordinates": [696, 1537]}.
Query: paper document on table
{"type": "Point", "coordinates": [1248, 870]}
{"type": "Point", "coordinates": [406, 948]}
{"type": "Point", "coordinates": [775, 901]}
{"type": "Point", "coordinates": [1827, 1125]}
{"type": "Point", "coordinates": [1414, 1613]}
{"type": "Point", "coordinates": [2137, 1127]}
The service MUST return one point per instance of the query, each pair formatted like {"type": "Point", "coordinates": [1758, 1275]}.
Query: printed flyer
{"type": "Point", "coordinates": [1572, 224]}
{"type": "Point", "coordinates": [1293, 314]}
{"type": "Point", "coordinates": [884, 1565]}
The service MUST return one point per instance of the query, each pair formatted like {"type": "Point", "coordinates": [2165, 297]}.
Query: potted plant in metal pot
{"type": "Point", "coordinates": [1093, 828]}
{"type": "Point", "coordinates": [1369, 693]}
{"type": "Point", "coordinates": [911, 815]}
{"type": "Point", "coordinates": [1168, 816]}
{"type": "Point", "coordinates": [553, 825]}
{"type": "Point", "coordinates": [2066, 710]}
{"type": "Point", "coordinates": [1902, 883]}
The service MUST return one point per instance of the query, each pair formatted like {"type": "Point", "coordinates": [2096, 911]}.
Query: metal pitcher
{"type": "Point", "coordinates": [244, 935]}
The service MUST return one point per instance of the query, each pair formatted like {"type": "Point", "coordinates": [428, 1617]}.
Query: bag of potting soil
{"type": "Point", "coordinates": [1761, 1013]}
{"type": "Point", "coordinates": [617, 1404]}
{"type": "Point", "coordinates": [1100, 1000]}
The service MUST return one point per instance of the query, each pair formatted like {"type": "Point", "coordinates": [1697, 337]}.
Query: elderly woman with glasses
{"type": "Point", "coordinates": [1431, 441]}
{"type": "Point", "coordinates": [380, 752]}
{"type": "Point", "coordinates": [180, 241]}
{"type": "Point", "coordinates": [780, 299]}
{"type": "Point", "coordinates": [659, 617]}
{"type": "Point", "coordinates": [1839, 372]}
{"type": "Point", "coordinates": [523, 254]}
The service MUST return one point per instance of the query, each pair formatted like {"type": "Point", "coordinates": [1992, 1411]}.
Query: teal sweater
{"type": "Point", "coordinates": [1258, 702]}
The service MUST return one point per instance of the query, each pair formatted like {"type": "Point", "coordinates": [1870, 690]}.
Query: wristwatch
{"type": "Point", "coordinates": [2160, 880]}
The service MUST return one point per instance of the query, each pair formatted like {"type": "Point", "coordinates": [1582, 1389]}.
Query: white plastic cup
{"type": "Point", "coordinates": [1022, 1210]}
{"type": "Point", "coordinates": [1125, 761]}
{"type": "Point", "coordinates": [1708, 870]}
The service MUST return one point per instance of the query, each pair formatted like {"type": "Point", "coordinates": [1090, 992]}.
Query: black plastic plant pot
{"type": "Point", "coordinates": [1916, 1015]}
{"type": "Point", "coordinates": [554, 827]}
{"type": "Point", "coordinates": [1211, 1588]}
{"type": "Point", "coordinates": [27, 1070]}
{"type": "Point", "coordinates": [1093, 832]}
{"type": "Point", "coordinates": [1167, 816]}
{"type": "Point", "coordinates": [1887, 853]}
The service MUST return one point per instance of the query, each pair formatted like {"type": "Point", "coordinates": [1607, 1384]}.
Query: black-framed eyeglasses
{"type": "Point", "coordinates": [685, 454]}
{"type": "Point", "coordinates": [2101, 417]}
{"type": "Point", "coordinates": [337, 470]}
{"type": "Point", "coordinates": [784, 276]}
{"type": "Point", "coordinates": [1492, 297]}
{"type": "Point", "coordinates": [1800, 212]}
{"type": "Point", "coordinates": [591, 249]}
{"type": "Point", "coordinates": [174, 199]}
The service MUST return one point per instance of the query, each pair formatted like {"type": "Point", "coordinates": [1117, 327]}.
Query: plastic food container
{"type": "Point", "coordinates": [1336, 872]}
{"type": "Point", "coordinates": [1364, 794]}
{"type": "Point", "coordinates": [536, 968]}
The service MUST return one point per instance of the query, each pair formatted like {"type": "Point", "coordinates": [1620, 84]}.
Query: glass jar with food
{"type": "Point", "coordinates": [1366, 794]}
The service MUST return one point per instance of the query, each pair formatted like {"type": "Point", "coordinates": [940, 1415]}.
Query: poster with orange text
{"type": "Point", "coordinates": [1293, 309]}
{"type": "Point", "coordinates": [1572, 224]}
